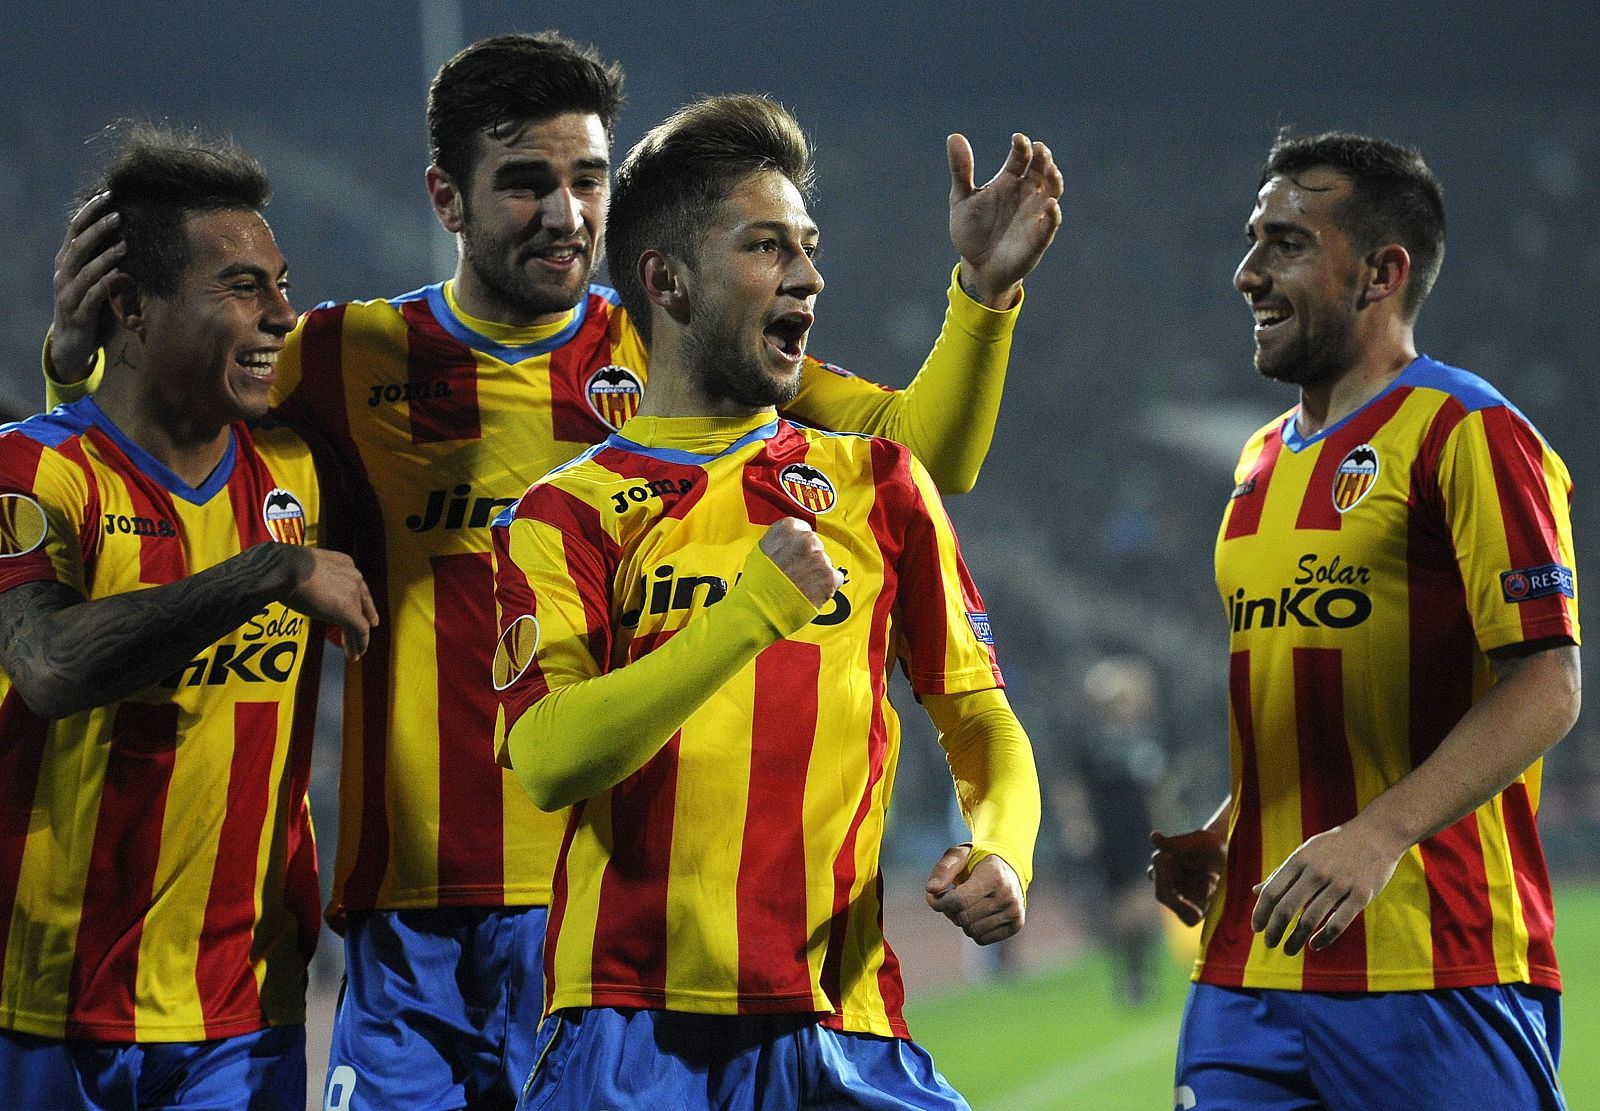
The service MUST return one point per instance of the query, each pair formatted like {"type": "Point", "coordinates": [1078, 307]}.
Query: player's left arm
{"type": "Point", "coordinates": [1503, 494]}
{"type": "Point", "coordinates": [946, 415]}
{"type": "Point", "coordinates": [982, 885]}
{"type": "Point", "coordinates": [1332, 877]}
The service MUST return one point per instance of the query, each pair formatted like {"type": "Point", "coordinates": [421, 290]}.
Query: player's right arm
{"type": "Point", "coordinates": [575, 729]}
{"type": "Point", "coordinates": [65, 654]}
{"type": "Point", "coordinates": [84, 267]}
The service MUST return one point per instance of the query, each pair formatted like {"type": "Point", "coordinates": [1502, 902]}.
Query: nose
{"type": "Point", "coordinates": [560, 211]}
{"type": "Point", "coordinates": [803, 279]}
{"type": "Point", "coordinates": [1247, 278]}
{"type": "Point", "coordinates": [278, 317]}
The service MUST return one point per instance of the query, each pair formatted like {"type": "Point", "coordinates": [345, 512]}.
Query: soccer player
{"type": "Point", "coordinates": [699, 617]}
{"type": "Point", "coordinates": [158, 889]}
{"type": "Point", "coordinates": [1395, 561]}
{"type": "Point", "coordinates": [445, 404]}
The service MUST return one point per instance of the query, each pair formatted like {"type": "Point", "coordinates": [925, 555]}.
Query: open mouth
{"type": "Point", "coordinates": [1269, 317]}
{"type": "Point", "coordinates": [259, 364]}
{"type": "Point", "coordinates": [787, 334]}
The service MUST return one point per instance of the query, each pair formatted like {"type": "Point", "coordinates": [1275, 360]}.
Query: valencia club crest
{"type": "Point", "coordinates": [808, 487]}
{"type": "Point", "coordinates": [1358, 470]}
{"type": "Point", "coordinates": [285, 517]}
{"type": "Point", "coordinates": [613, 393]}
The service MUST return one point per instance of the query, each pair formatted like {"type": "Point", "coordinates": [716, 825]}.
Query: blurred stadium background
{"type": "Point", "coordinates": [1130, 388]}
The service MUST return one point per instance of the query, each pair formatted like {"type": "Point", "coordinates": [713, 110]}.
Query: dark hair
{"type": "Point", "coordinates": [511, 80]}
{"type": "Point", "coordinates": [1395, 197]}
{"type": "Point", "coordinates": [675, 178]}
{"type": "Point", "coordinates": [158, 177]}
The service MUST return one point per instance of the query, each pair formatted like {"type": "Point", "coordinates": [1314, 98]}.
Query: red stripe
{"type": "Point", "coordinates": [646, 468]}
{"type": "Point", "coordinates": [1533, 885]}
{"type": "Point", "coordinates": [1229, 947]}
{"type": "Point", "coordinates": [1244, 511]}
{"type": "Point", "coordinates": [558, 902]}
{"type": "Point", "coordinates": [1532, 538]}
{"type": "Point", "coordinates": [20, 757]}
{"type": "Point", "coordinates": [443, 376]}
{"type": "Point", "coordinates": [1441, 654]}
{"type": "Point", "coordinates": [772, 862]}
{"type": "Point", "coordinates": [572, 419]}
{"type": "Point", "coordinates": [630, 937]}
{"type": "Point", "coordinates": [1327, 799]}
{"type": "Point", "coordinates": [302, 894]}
{"type": "Point", "coordinates": [223, 975]}
{"type": "Point", "coordinates": [1317, 508]}
{"type": "Point", "coordinates": [319, 402]}
{"type": "Point", "coordinates": [120, 883]}
{"type": "Point", "coordinates": [160, 557]}
{"type": "Point", "coordinates": [471, 784]}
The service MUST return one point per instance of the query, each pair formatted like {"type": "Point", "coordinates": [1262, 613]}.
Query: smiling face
{"type": "Point", "coordinates": [532, 219]}
{"type": "Point", "coordinates": [212, 347]}
{"type": "Point", "coordinates": [752, 292]}
{"type": "Point", "coordinates": [1303, 279]}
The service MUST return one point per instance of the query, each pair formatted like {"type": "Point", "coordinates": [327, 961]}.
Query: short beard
{"type": "Point", "coordinates": [722, 373]}
{"type": "Point", "coordinates": [510, 284]}
{"type": "Point", "coordinates": [1315, 360]}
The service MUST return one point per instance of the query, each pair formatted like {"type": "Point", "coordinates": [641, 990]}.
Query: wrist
{"type": "Point", "coordinates": [1000, 300]}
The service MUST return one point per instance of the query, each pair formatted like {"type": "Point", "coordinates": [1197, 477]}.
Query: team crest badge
{"type": "Point", "coordinates": [1358, 470]}
{"type": "Point", "coordinates": [514, 651]}
{"type": "Point", "coordinates": [23, 525]}
{"type": "Point", "coordinates": [808, 487]}
{"type": "Point", "coordinates": [285, 517]}
{"type": "Point", "coordinates": [613, 393]}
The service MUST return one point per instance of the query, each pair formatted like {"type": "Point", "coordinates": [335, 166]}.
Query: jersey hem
{"type": "Point", "coordinates": [1472, 976]}
{"type": "Point", "coordinates": [44, 1027]}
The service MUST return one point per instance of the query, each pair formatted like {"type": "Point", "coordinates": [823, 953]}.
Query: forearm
{"type": "Point", "coordinates": [589, 735]}
{"type": "Point", "coordinates": [997, 784]}
{"type": "Point", "coordinates": [947, 414]}
{"type": "Point", "coordinates": [66, 655]}
{"type": "Point", "coordinates": [1515, 723]}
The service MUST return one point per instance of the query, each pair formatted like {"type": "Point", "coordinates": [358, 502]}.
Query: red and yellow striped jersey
{"type": "Point", "coordinates": [157, 874]}
{"type": "Point", "coordinates": [441, 421]}
{"type": "Point", "coordinates": [737, 870]}
{"type": "Point", "coordinates": [1367, 571]}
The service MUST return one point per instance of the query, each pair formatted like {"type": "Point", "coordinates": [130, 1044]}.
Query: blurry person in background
{"type": "Point", "coordinates": [1104, 795]}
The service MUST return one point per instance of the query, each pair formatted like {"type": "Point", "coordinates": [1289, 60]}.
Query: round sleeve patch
{"type": "Point", "coordinates": [515, 650]}
{"type": "Point", "coordinates": [23, 525]}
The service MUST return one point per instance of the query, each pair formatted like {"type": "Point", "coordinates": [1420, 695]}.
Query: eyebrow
{"type": "Point", "coordinates": [242, 269]}
{"type": "Point", "coordinates": [1278, 227]}
{"type": "Point", "coordinates": [808, 230]}
{"type": "Point", "coordinates": [524, 164]}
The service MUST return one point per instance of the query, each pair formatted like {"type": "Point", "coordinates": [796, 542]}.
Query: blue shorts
{"type": "Point", "coordinates": [1460, 1047]}
{"type": "Point", "coordinates": [263, 1071]}
{"type": "Point", "coordinates": [439, 1009]}
{"type": "Point", "coordinates": [605, 1057]}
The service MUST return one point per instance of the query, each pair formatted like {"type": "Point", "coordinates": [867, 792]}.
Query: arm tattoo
{"type": "Point", "coordinates": [66, 655]}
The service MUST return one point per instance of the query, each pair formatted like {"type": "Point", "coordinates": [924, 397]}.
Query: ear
{"type": "Point", "coordinates": [663, 281]}
{"type": "Point", "coordinates": [1388, 269]}
{"type": "Point", "coordinates": [446, 200]}
{"type": "Point", "coordinates": [126, 304]}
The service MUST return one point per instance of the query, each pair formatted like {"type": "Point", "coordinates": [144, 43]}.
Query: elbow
{"type": "Point", "coordinates": [51, 699]}
{"type": "Point", "coordinates": [549, 793]}
{"type": "Point", "coordinates": [952, 482]}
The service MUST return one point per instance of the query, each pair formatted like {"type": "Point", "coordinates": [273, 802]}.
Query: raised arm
{"type": "Point", "coordinates": [66, 655]}
{"type": "Point", "coordinates": [84, 267]}
{"type": "Point", "coordinates": [946, 415]}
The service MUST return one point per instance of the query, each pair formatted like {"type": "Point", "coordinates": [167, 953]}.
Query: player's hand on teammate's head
{"type": "Point", "coordinates": [986, 901]}
{"type": "Point", "coordinates": [797, 550]}
{"type": "Point", "coordinates": [85, 266]}
{"type": "Point", "coordinates": [1002, 228]}
{"type": "Point", "coordinates": [330, 588]}
{"type": "Point", "coordinates": [1186, 869]}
